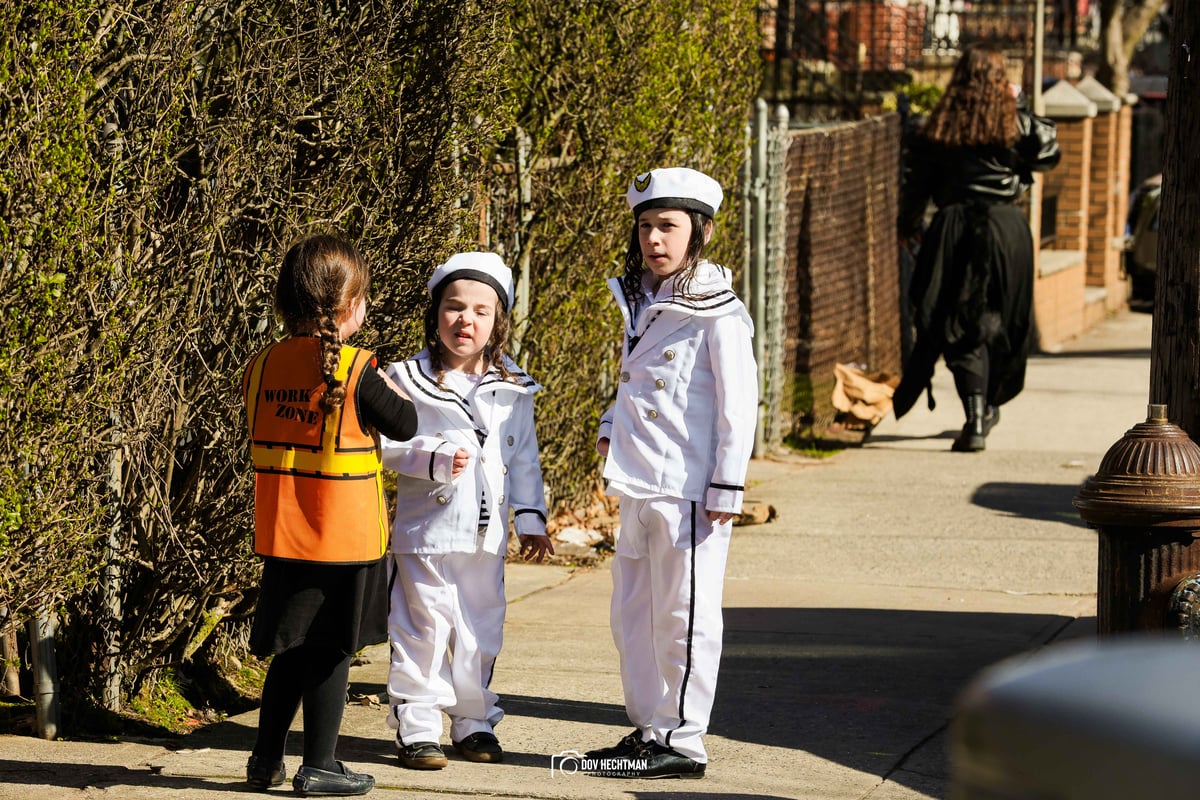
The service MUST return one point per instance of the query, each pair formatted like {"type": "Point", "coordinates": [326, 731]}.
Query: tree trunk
{"type": "Point", "coordinates": [1136, 21]}
{"type": "Point", "coordinates": [1122, 26]}
{"type": "Point", "coordinates": [10, 683]}
{"type": "Point", "coordinates": [1175, 348]}
{"type": "Point", "coordinates": [1113, 70]}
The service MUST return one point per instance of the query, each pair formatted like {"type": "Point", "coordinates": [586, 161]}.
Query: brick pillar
{"type": "Point", "coordinates": [1070, 182]}
{"type": "Point", "coordinates": [1107, 191]}
{"type": "Point", "coordinates": [1124, 166]}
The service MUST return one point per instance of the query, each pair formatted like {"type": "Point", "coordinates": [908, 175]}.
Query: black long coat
{"type": "Point", "coordinates": [973, 280]}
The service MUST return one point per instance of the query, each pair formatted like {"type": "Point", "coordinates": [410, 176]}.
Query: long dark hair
{"type": "Point", "coordinates": [493, 352]}
{"type": "Point", "coordinates": [635, 265]}
{"type": "Point", "coordinates": [322, 278]}
{"type": "Point", "coordinates": [978, 108]}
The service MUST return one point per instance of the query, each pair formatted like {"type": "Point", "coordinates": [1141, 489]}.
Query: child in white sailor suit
{"type": "Point", "coordinates": [475, 457]}
{"type": "Point", "coordinates": [678, 441]}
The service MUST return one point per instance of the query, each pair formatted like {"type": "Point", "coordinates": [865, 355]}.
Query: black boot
{"type": "Point", "coordinates": [973, 437]}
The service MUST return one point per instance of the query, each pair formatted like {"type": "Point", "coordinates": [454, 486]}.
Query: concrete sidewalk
{"type": "Point", "coordinates": [893, 574]}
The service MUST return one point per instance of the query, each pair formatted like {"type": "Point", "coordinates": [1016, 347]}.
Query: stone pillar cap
{"type": "Point", "coordinates": [1064, 101]}
{"type": "Point", "coordinates": [1099, 94]}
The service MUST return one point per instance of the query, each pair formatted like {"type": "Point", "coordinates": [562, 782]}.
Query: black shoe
{"type": "Point", "coordinates": [481, 747]}
{"type": "Point", "coordinates": [629, 743]}
{"type": "Point", "coordinates": [969, 441]}
{"type": "Point", "coordinates": [663, 762]}
{"type": "Point", "coordinates": [422, 755]}
{"type": "Point", "coordinates": [313, 782]}
{"type": "Point", "coordinates": [262, 775]}
{"type": "Point", "coordinates": [973, 437]}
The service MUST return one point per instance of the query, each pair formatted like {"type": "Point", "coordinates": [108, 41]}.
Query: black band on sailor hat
{"type": "Point", "coordinates": [486, 268]}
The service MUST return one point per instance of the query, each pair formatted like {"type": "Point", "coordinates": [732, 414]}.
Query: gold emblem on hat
{"type": "Point", "coordinates": [641, 182]}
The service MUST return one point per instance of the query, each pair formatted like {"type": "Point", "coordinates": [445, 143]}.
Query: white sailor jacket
{"type": "Point", "coordinates": [686, 408]}
{"type": "Point", "coordinates": [435, 514]}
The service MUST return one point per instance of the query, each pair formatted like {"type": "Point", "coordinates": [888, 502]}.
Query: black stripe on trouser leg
{"type": "Point", "coordinates": [687, 670]}
{"type": "Point", "coordinates": [487, 684]}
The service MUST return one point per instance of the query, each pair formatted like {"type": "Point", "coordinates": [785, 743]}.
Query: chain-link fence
{"type": "Point", "coordinates": [830, 282]}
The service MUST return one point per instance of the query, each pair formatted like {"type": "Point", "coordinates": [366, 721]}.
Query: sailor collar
{"type": "Point", "coordinates": [420, 377]}
{"type": "Point", "coordinates": [711, 295]}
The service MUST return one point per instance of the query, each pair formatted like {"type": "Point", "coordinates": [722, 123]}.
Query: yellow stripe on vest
{"type": "Point", "coordinates": [288, 460]}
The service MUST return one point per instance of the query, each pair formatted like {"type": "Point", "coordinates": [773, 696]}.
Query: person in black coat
{"type": "Point", "coordinates": [972, 285]}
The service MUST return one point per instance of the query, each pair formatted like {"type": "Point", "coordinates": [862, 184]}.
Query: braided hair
{"type": "Point", "coordinates": [635, 265]}
{"type": "Point", "coordinates": [493, 353]}
{"type": "Point", "coordinates": [322, 279]}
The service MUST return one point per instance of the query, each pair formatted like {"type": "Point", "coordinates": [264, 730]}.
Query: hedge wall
{"type": "Point", "coordinates": [159, 158]}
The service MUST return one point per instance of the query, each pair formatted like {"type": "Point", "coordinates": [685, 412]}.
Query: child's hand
{"type": "Point", "coordinates": [535, 547]}
{"type": "Point", "coordinates": [720, 517]}
{"type": "Point", "coordinates": [602, 447]}
{"type": "Point", "coordinates": [461, 459]}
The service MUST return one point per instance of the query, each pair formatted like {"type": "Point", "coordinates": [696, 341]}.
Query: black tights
{"type": "Point", "coordinates": [319, 676]}
{"type": "Point", "coordinates": [970, 369]}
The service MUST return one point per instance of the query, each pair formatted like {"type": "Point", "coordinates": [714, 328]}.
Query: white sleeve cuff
{"type": "Point", "coordinates": [441, 463]}
{"type": "Point", "coordinates": [529, 522]}
{"type": "Point", "coordinates": [722, 498]}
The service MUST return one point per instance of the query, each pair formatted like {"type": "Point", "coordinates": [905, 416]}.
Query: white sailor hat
{"type": "Point", "coordinates": [674, 187]}
{"type": "Point", "coordinates": [483, 267]}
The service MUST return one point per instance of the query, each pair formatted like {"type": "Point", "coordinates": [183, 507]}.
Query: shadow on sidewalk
{"type": "Point", "coordinates": [91, 777]}
{"type": "Point", "coordinates": [1133, 352]}
{"type": "Point", "coordinates": [864, 688]}
{"type": "Point", "coordinates": [694, 795]}
{"type": "Point", "coordinates": [860, 687]}
{"type": "Point", "coordinates": [947, 434]}
{"type": "Point", "coordinates": [1043, 501]}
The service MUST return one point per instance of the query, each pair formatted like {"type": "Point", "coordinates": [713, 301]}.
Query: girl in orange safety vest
{"type": "Point", "coordinates": [315, 408]}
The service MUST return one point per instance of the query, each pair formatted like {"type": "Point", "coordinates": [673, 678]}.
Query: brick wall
{"type": "Point", "coordinates": [1123, 184]}
{"type": "Point", "coordinates": [843, 295]}
{"type": "Point", "coordinates": [890, 34]}
{"type": "Point", "coordinates": [1104, 224]}
{"type": "Point", "coordinates": [1124, 165]}
{"type": "Point", "coordinates": [1081, 278]}
{"type": "Point", "coordinates": [1059, 300]}
{"type": "Point", "coordinates": [1071, 182]}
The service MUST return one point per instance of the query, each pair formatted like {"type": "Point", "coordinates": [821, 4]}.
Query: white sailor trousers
{"type": "Point", "coordinates": [668, 576]}
{"type": "Point", "coordinates": [445, 626]}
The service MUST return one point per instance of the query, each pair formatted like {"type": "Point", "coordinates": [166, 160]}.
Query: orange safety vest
{"type": "Point", "coordinates": [318, 492]}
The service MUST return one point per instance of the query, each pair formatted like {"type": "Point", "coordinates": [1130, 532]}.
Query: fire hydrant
{"type": "Point", "coordinates": [1144, 501]}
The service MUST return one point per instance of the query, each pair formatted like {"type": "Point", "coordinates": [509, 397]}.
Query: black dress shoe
{"type": "Point", "coordinates": [313, 782]}
{"type": "Point", "coordinates": [262, 774]}
{"type": "Point", "coordinates": [422, 755]}
{"type": "Point", "coordinates": [628, 744]}
{"type": "Point", "coordinates": [481, 747]}
{"type": "Point", "coordinates": [663, 762]}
